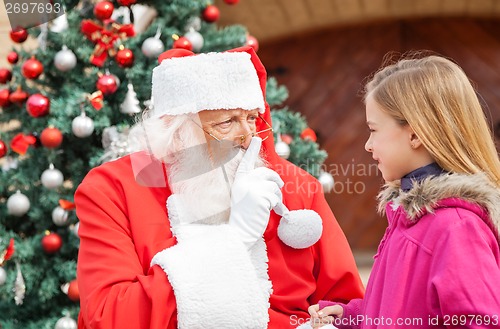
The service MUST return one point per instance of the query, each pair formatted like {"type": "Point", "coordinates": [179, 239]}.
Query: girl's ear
{"type": "Point", "coordinates": [413, 139]}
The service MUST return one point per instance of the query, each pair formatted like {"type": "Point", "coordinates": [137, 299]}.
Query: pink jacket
{"type": "Point", "coordinates": [438, 264]}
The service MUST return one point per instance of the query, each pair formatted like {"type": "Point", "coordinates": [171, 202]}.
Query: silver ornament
{"type": "Point", "coordinates": [18, 204]}
{"type": "Point", "coordinates": [3, 276]}
{"type": "Point", "coordinates": [52, 178]}
{"type": "Point", "coordinates": [327, 181]}
{"type": "Point", "coordinates": [152, 47]}
{"type": "Point", "coordinates": [66, 322]}
{"type": "Point", "coordinates": [59, 24]}
{"type": "Point", "coordinates": [82, 126]}
{"type": "Point", "coordinates": [19, 286]}
{"type": "Point", "coordinates": [282, 149]}
{"type": "Point", "coordinates": [65, 59]}
{"type": "Point", "coordinates": [196, 39]}
{"type": "Point", "coordinates": [193, 23]}
{"type": "Point", "coordinates": [131, 104]}
{"type": "Point", "coordinates": [74, 228]}
{"type": "Point", "coordinates": [60, 216]}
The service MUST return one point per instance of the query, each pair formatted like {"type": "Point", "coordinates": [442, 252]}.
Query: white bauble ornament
{"type": "Point", "coordinates": [82, 126]}
{"type": "Point", "coordinates": [196, 39]}
{"type": "Point", "coordinates": [52, 178]}
{"type": "Point", "coordinates": [18, 204]}
{"type": "Point", "coordinates": [282, 149]}
{"type": "Point", "coordinates": [66, 322]}
{"type": "Point", "coordinates": [152, 47]}
{"type": "Point", "coordinates": [60, 216]}
{"type": "Point", "coordinates": [65, 59]}
{"type": "Point", "coordinates": [327, 181]}
{"type": "Point", "coordinates": [3, 276]}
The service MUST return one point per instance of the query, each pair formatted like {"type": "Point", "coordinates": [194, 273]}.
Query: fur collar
{"type": "Point", "coordinates": [425, 195]}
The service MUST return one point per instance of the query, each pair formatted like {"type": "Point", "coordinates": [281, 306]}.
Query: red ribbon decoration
{"type": "Point", "coordinates": [66, 204]}
{"type": "Point", "coordinates": [104, 36]}
{"type": "Point", "coordinates": [21, 142]}
{"type": "Point", "coordinates": [7, 254]}
{"type": "Point", "coordinates": [96, 99]}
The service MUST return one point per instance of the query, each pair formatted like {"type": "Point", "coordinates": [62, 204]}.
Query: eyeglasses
{"type": "Point", "coordinates": [237, 141]}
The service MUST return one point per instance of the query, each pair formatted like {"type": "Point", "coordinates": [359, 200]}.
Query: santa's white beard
{"type": "Point", "coordinates": [199, 173]}
{"type": "Point", "coordinates": [206, 195]}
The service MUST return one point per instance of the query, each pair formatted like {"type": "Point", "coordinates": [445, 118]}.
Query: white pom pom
{"type": "Point", "coordinates": [300, 229]}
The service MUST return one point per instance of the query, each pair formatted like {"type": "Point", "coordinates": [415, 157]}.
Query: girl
{"type": "Point", "coordinates": [438, 264]}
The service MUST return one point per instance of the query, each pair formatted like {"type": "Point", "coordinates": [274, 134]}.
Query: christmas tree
{"type": "Point", "coordinates": [66, 107]}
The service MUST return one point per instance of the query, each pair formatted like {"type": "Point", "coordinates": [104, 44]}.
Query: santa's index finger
{"type": "Point", "coordinates": [251, 155]}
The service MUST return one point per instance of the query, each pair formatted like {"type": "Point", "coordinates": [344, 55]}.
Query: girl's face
{"type": "Point", "coordinates": [390, 143]}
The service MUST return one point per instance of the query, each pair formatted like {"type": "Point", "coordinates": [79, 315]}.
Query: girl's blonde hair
{"type": "Point", "coordinates": [434, 96]}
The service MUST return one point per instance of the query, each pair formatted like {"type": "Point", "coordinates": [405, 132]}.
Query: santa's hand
{"type": "Point", "coordinates": [254, 193]}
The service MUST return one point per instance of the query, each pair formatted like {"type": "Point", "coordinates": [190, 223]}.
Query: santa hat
{"type": "Point", "coordinates": [187, 83]}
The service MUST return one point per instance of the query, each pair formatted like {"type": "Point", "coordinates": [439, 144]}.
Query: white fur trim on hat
{"type": "Point", "coordinates": [209, 81]}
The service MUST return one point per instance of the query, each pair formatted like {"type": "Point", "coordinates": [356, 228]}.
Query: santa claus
{"type": "Point", "coordinates": [205, 226]}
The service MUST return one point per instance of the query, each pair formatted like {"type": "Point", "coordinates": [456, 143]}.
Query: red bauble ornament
{"type": "Point", "coordinates": [252, 42]}
{"type": "Point", "coordinates": [13, 57]}
{"type": "Point", "coordinates": [308, 133]}
{"type": "Point", "coordinates": [38, 105]}
{"type": "Point", "coordinates": [125, 57]}
{"type": "Point", "coordinates": [126, 2]}
{"type": "Point", "coordinates": [210, 14]}
{"type": "Point", "coordinates": [231, 2]}
{"type": "Point", "coordinates": [183, 43]}
{"type": "Point", "coordinates": [51, 243]}
{"type": "Point", "coordinates": [3, 148]}
{"type": "Point", "coordinates": [5, 75]}
{"type": "Point", "coordinates": [73, 292]}
{"type": "Point", "coordinates": [19, 96]}
{"type": "Point", "coordinates": [103, 10]}
{"type": "Point", "coordinates": [19, 35]}
{"type": "Point", "coordinates": [32, 68]}
{"type": "Point", "coordinates": [107, 84]}
{"type": "Point", "coordinates": [51, 137]}
{"type": "Point", "coordinates": [4, 97]}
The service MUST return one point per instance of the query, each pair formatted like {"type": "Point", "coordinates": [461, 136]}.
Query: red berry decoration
{"type": "Point", "coordinates": [38, 105]}
{"type": "Point", "coordinates": [51, 137]}
{"type": "Point", "coordinates": [103, 10]}
{"type": "Point", "coordinates": [73, 292]}
{"type": "Point", "coordinates": [107, 84]}
{"type": "Point", "coordinates": [210, 14]}
{"type": "Point", "coordinates": [126, 2]}
{"type": "Point", "coordinates": [253, 42]}
{"type": "Point", "coordinates": [4, 97]}
{"type": "Point", "coordinates": [13, 57]}
{"type": "Point", "coordinates": [125, 57]}
{"type": "Point", "coordinates": [5, 75]}
{"type": "Point", "coordinates": [183, 43]}
{"type": "Point", "coordinates": [32, 68]}
{"type": "Point", "coordinates": [308, 133]}
{"type": "Point", "coordinates": [231, 2]}
{"type": "Point", "coordinates": [3, 148]}
{"type": "Point", "coordinates": [19, 35]}
{"type": "Point", "coordinates": [51, 243]}
{"type": "Point", "coordinates": [19, 96]}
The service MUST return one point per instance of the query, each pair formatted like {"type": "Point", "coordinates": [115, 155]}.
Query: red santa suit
{"type": "Point", "coordinates": [124, 224]}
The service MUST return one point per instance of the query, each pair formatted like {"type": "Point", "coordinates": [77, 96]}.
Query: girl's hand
{"type": "Point", "coordinates": [325, 316]}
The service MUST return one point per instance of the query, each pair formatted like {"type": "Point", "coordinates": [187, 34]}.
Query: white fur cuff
{"type": "Point", "coordinates": [214, 281]}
